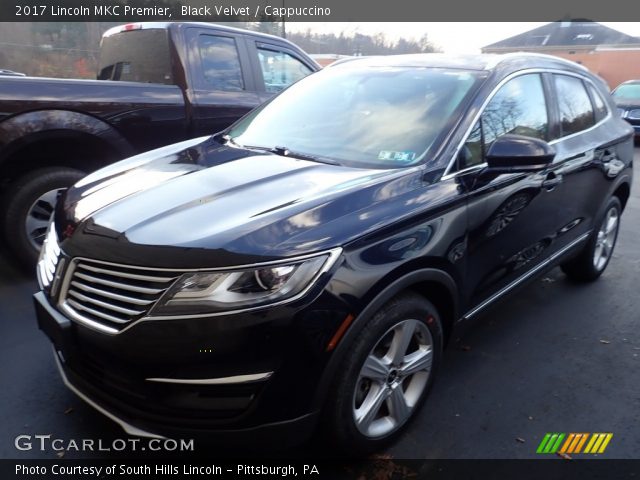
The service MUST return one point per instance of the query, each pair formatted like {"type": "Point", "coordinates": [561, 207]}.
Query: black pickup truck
{"type": "Point", "coordinates": [157, 84]}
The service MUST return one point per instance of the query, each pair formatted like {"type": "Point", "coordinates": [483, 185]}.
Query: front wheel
{"type": "Point", "coordinates": [28, 205]}
{"type": "Point", "coordinates": [385, 378]}
{"type": "Point", "coordinates": [595, 257]}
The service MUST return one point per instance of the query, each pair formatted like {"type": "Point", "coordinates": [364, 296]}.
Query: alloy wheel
{"type": "Point", "coordinates": [38, 217]}
{"type": "Point", "coordinates": [393, 378]}
{"type": "Point", "coordinates": [606, 239]}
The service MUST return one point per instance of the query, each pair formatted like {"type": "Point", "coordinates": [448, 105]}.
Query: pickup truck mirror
{"type": "Point", "coordinates": [517, 153]}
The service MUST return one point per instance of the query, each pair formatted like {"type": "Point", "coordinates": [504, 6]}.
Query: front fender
{"type": "Point", "coordinates": [401, 284]}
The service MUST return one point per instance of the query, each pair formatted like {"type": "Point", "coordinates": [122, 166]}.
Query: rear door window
{"type": "Point", "coordinates": [576, 111]}
{"type": "Point", "coordinates": [220, 60]}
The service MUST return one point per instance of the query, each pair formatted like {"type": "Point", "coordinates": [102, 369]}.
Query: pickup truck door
{"type": "Point", "coordinates": [223, 86]}
{"type": "Point", "coordinates": [276, 67]}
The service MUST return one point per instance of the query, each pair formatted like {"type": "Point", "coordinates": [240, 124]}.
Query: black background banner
{"type": "Point", "coordinates": [316, 10]}
{"type": "Point", "coordinates": [552, 468]}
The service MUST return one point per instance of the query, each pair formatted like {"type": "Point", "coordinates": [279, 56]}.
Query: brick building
{"type": "Point", "coordinates": [613, 55]}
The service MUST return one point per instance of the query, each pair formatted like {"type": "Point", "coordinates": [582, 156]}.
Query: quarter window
{"type": "Point", "coordinates": [279, 69]}
{"type": "Point", "coordinates": [220, 63]}
{"type": "Point", "coordinates": [599, 106]}
{"type": "Point", "coordinates": [576, 112]}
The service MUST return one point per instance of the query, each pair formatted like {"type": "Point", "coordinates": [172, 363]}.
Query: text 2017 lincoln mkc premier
{"type": "Point", "coordinates": [307, 265]}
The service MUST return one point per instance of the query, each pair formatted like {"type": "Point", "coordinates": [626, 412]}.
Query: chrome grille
{"type": "Point", "coordinates": [107, 297]}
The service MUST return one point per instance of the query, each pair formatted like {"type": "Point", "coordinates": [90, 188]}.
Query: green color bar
{"type": "Point", "coordinates": [555, 448]}
{"type": "Point", "coordinates": [550, 443]}
{"type": "Point", "coordinates": [543, 443]}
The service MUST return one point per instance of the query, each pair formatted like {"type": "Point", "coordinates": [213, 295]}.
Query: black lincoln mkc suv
{"type": "Point", "coordinates": [307, 265]}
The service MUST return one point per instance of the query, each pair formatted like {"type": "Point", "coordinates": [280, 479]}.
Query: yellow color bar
{"type": "Point", "coordinates": [598, 442]}
{"type": "Point", "coordinates": [606, 441]}
{"type": "Point", "coordinates": [566, 444]}
{"type": "Point", "coordinates": [593, 439]}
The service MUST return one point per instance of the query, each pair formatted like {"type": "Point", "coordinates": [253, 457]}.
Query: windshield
{"type": "Point", "coordinates": [136, 56]}
{"type": "Point", "coordinates": [378, 117]}
{"type": "Point", "coordinates": [630, 90]}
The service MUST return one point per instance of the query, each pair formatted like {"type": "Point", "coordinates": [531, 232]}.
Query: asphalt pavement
{"type": "Point", "coordinates": [554, 357]}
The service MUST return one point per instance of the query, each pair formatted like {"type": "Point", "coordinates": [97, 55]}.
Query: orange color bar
{"type": "Point", "coordinates": [576, 439]}
{"type": "Point", "coordinates": [567, 443]}
{"type": "Point", "coordinates": [578, 448]}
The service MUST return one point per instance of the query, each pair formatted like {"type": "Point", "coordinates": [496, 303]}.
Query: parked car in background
{"type": "Point", "coordinates": [308, 264]}
{"type": "Point", "coordinates": [627, 98]}
{"type": "Point", "coordinates": [10, 73]}
{"type": "Point", "coordinates": [158, 83]}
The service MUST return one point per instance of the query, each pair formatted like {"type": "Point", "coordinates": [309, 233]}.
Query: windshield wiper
{"type": "Point", "coordinates": [283, 152]}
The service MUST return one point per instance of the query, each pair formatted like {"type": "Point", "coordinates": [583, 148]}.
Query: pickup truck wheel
{"type": "Point", "coordinates": [593, 260]}
{"type": "Point", "coordinates": [29, 204]}
{"type": "Point", "coordinates": [386, 375]}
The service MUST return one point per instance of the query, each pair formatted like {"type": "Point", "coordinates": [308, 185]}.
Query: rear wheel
{"type": "Point", "coordinates": [387, 374]}
{"type": "Point", "coordinates": [595, 257]}
{"type": "Point", "coordinates": [28, 204]}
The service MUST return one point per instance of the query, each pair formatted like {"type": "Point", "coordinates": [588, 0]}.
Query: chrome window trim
{"type": "Point", "coordinates": [234, 380]}
{"type": "Point", "coordinates": [333, 255]}
{"type": "Point", "coordinates": [506, 289]}
{"type": "Point", "coordinates": [449, 174]}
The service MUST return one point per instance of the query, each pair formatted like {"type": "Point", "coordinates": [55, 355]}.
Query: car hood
{"type": "Point", "coordinates": [221, 205]}
{"type": "Point", "coordinates": [627, 103]}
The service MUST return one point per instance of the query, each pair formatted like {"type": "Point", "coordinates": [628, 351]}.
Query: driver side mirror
{"type": "Point", "coordinates": [516, 153]}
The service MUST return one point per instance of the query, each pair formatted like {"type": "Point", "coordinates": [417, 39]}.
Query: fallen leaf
{"type": "Point", "coordinates": [382, 456]}
{"type": "Point", "coordinates": [606, 342]}
{"type": "Point", "coordinates": [68, 411]}
{"type": "Point", "coordinates": [564, 455]}
{"type": "Point", "coordinates": [60, 454]}
{"type": "Point", "coordinates": [466, 348]}
{"type": "Point", "coordinates": [520, 440]}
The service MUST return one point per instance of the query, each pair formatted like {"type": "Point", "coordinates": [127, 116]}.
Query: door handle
{"type": "Point", "coordinates": [552, 181]}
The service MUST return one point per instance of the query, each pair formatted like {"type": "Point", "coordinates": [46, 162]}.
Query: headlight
{"type": "Point", "coordinates": [226, 291]}
{"type": "Point", "coordinates": [634, 114]}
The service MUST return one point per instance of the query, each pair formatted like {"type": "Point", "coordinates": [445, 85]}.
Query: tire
{"type": "Point", "coordinates": [28, 204]}
{"type": "Point", "coordinates": [394, 393]}
{"type": "Point", "coordinates": [594, 258]}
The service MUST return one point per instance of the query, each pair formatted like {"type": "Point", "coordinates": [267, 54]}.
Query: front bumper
{"type": "Point", "coordinates": [233, 412]}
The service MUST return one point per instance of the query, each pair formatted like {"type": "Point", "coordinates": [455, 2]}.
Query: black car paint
{"type": "Point", "coordinates": [461, 239]}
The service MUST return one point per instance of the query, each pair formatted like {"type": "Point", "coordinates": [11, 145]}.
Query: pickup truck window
{"type": "Point", "coordinates": [279, 69]}
{"type": "Point", "coordinates": [220, 63]}
{"type": "Point", "coordinates": [136, 56]}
